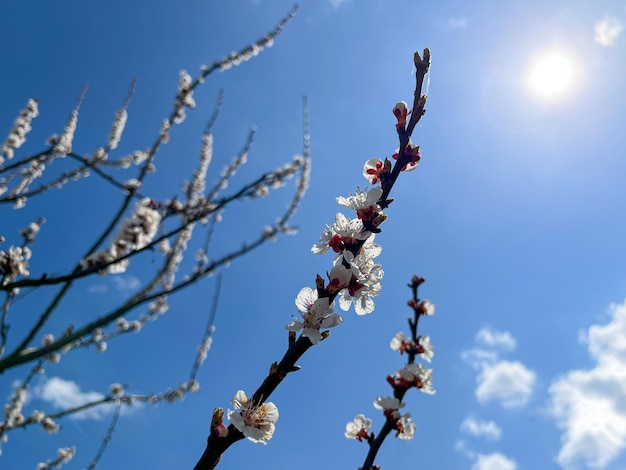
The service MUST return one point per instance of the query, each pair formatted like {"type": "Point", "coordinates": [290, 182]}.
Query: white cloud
{"type": "Point", "coordinates": [461, 446]}
{"type": "Point", "coordinates": [507, 382]}
{"type": "Point", "coordinates": [337, 3]}
{"type": "Point", "coordinates": [478, 428]}
{"type": "Point", "coordinates": [97, 289]}
{"type": "Point", "coordinates": [477, 358]}
{"type": "Point", "coordinates": [495, 461]}
{"type": "Point", "coordinates": [125, 282]}
{"type": "Point", "coordinates": [458, 23]}
{"type": "Point", "coordinates": [122, 283]}
{"type": "Point", "coordinates": [502, 340]}
{"type": "Point", "coordinates": [607, 31]}
{"type": "Point", "coordinates": [510, 383]}
{"type": "Point", "coordinates": [590, 405]}
{"type": "Point", "coordinates": [63, 394]}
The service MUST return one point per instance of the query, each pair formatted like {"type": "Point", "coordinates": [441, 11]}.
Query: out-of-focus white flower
{"type": "Point", "coordinates": [388, 403]}
{"type": "Point", "coordinates": [65, 454]}
{"type": "Point", "coordinates": [405, 427]}
{"type": "Point", "coordinates": [37, 416]}
{"type": "Point", "coordinates": [427, 308]}
{"type": "Point", "coordinates": [418, 376]}
{"type": "Point", "coordinates": [132, 184]}
{"type": "Point", "coordinates": [49, 425]}
{"type": "Point", "coordinates": [390, 406]}
{"type": "Point", "coordinates": [398, 342]}
{"type": "Point", "coordinates": [359, 428]}
{"type": "Point", "coordinates": [426, 348]}
{"type": "Point", "coordinates": [256, 422]}
{"type": "Point", "coordinates": [116, 390]}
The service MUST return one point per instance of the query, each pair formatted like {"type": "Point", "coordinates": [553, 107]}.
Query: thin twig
{"type": "Point", "coordinates": [107, 438]}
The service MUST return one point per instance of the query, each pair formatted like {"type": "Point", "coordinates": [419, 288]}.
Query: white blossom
{"type": "Point", "coordinates": [49, 425]}
{"type": "Point", "coordinates": [358, 428]}
{"type": "Point", "coordinates": [256, 422]}
{"type": "Point", "coordinates": [342, 233]}
{"type": "Point", "coordinates": [316, 313]}
{"type": "Point", "coordinates": [427, 308]}
{"type": "Point", "coordinates": [390, 406]}
{"type": "Point", "coordinates": [419, 376]}
{"type": "Point", "coordinates": [116, 389]}
{"type": "Point", "coordinates": [398, 341]}
{"type": "Point", "coordinates": [427, 348]}
{"type": "Point", "coordinates": [388, 403]}
{"type": "Point", "coordinates": [364, 203]}
{"type": "Point", "coordinates": [406, 427]}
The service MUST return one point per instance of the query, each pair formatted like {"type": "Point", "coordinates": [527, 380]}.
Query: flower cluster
{"type": "Point", "coordinates": [184, 98]}
{"type": "Point", "coordinates": [64, 455]}
{"type": "Point", "coordinates": [413, 375]}
{"type": "Point", "coordinates": [63, 143]}
{"type": "Point", "coordinates": [359, 428]}
{"type": "Point", "coordinates": [355, 277]}
{"type": "Point", "coordinates": [13, 263]}
{"type": "Point", "coordinates": [135, 233]}
{"type": "Point", "coordinates": [21, 127]}
{"type": "Point", "coordinates": [421, 346]}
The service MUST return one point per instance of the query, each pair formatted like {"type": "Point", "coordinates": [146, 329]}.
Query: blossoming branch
{"type": "Point", "coordinates": [411, 375]}
{"type": "Point", "coordinates": [354, 279]}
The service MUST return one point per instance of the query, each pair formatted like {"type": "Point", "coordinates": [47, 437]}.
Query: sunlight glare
{"type": "Point", "coordinates": [552, 74]}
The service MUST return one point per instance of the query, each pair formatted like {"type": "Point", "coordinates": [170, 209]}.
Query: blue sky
{"type": "Point", "coordinates": [515, 217]}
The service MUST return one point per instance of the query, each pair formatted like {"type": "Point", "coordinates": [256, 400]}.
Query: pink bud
{"type": "Point", "coordinates": [401, 111]}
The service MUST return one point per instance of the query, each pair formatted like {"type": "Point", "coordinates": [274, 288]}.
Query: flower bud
{"type": "Point", "coordinates": [401, 111]}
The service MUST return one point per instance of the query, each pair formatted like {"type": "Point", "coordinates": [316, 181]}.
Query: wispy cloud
{"type": "Point", "coordinates": [495, 461]}
{"type": "Point", "coordinates": [458, 23]}
{"type": "Point", "coordinates": [502, 340]}
{"type": "Point", "coordinates": [335, 4]}
{"type": "Point", "coordinates": [125, 282]}
{"type": "Point", "coordinates": [121, 283]}
{"type": "Point", "coordinates": [608, 30]}
{"type": "Point", "coordinates": [98, 289]}
{"type": "Point", "coordinates": [64, 394]}
{"type": "Point", "coordinates": [510, 383]}
{"type": "Point", "coordinates": [479, 428]}
{"type": "Point", "coordinates": [590, 405]}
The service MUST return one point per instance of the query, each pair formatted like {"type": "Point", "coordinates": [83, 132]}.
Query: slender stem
{"type": "Point", "coordinates": [107, 438]}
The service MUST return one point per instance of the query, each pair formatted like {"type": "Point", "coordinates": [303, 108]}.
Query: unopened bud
{"type": "Point", "coordinates": [401, 111]}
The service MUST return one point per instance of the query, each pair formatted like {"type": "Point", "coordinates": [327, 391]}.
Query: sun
{"type": "Point", "coordinates": [552, 74]}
